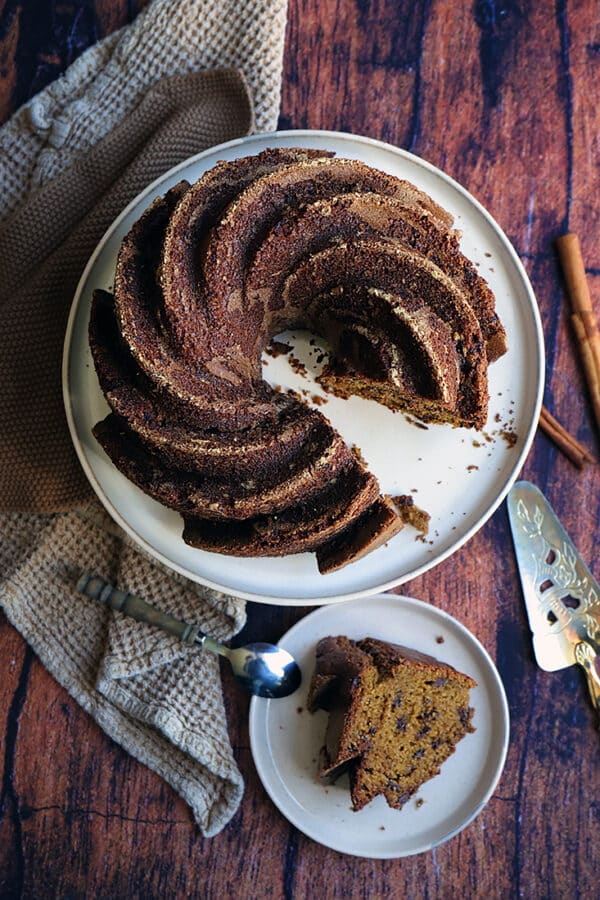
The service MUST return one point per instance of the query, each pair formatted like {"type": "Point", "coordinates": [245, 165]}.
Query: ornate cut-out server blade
{"type": "Point", "coordinates": [561, 595]}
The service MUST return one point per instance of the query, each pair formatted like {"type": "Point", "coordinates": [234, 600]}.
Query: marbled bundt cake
{"type": "Point", "coordinates": [205, 279]}
{"type": "Point", "coordinates": [395, 715]}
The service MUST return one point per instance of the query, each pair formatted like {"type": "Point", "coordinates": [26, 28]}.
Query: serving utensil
{"type": "Point", "coordinates": [265, 670]}
{"type": "Point", "coordinates": [561, 595]}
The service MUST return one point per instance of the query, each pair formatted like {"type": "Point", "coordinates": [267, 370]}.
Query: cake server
{"type": "Point", "coordinates": [561, 595]}
{"type": "Point", "coordinates": [264, 669]}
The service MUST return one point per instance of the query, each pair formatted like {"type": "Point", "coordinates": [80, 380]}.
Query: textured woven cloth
{"type": "Point", "coordinates": [158, 698]}
{"type": "Point", "coordinates": [129, 109]}
{"type": "Point", "coordinates": [169, 37]}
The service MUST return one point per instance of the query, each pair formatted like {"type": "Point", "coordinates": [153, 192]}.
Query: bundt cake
{"type": "Point", "coordinates": [205, 279]}
{"type": "Point", "coordinates": [395, 716]}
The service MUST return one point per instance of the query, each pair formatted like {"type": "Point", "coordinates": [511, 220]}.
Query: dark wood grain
{"type": "Point", "coordinates": [505, 98]}
{"type": "Point", "coordinates": [38, 41]}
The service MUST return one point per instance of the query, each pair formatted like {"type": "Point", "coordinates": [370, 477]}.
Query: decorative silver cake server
{"type": "Point", "coordinates": [561, 595]}
{"type": "Point", "coordinates": [264, 669]}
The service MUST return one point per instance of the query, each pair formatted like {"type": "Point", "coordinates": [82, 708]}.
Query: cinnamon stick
{"type": "Point", "coordinates": [569, 445]}
{"type": "Point", "coordinates": [591, 369]}
{"type": "Point", "coordinates": [583, 318]}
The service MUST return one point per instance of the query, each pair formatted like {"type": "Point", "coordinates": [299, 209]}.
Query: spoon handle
{"type": "Point", "coordinates": [98, 589]}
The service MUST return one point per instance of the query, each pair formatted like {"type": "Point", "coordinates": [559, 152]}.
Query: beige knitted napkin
{"type": "Point", "coordinates": [128, 110]}
{"type": "Point", "coordinates": [159, 699]}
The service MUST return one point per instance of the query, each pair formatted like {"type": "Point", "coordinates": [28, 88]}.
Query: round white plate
{"type": "Point", "coordinates": [285, 738]}
{"type": "Point", "coordinates": [458, 476]}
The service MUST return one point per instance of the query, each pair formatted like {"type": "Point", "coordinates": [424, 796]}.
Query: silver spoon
{"type": "Point", "coordinates": [264, 669]}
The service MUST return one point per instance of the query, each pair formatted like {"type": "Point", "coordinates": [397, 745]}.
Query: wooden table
{"type": "Point", "coordinates": [505, 98]}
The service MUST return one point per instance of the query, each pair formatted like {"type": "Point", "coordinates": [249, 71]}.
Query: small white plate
{"type": "Point", "coordinates": [460, 477]}
{"type": "Point", "coordinates": [285, 738]}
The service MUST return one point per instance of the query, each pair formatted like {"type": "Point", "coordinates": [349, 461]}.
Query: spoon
{"type": "Point", "coordinates": [264, 669]}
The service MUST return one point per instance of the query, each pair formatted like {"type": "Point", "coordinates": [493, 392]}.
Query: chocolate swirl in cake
{"type": "Point", "coordinates": [205, 279]}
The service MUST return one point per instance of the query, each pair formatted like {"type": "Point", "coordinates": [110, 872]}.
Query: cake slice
{"type": "Point", "coordinates": [395, 715]}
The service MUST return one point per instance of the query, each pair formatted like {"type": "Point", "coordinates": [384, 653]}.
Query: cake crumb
{"type": "Point", "coordinates": [419, 803]}
{"type": "Point", "coordinates": [411, 514]}
{"type": "Point", "coordinates": [278, 348]}
{"type": "Point", "coordinates": [298, 366]}
{"type": "Point", "coordinates": [416, 423]}
{"type": "Point", "coordinates": [439, 639]}
{"type": "Point", "coordinates": [358, 454]}
{"type": "Point", "coordinates": [511, 437]}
